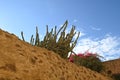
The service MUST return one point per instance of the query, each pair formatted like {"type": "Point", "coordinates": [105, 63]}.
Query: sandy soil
{"type": "Point", "coordinates": [113, 66]}
{"type": "Point", "coordinates": [21, 61]}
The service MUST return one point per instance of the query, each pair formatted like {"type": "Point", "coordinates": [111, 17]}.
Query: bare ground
{"type": "Point", "coordinates": [21, 61]}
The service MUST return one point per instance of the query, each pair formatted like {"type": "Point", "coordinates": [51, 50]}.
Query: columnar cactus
{"type": "Point", "coordinates": [60, 45]}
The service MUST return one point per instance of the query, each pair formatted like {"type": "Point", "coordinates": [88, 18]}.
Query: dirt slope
{"type": "Point", "coordinates": [21, 61]}
{"type": "Point", "coordinates": [113, 66]}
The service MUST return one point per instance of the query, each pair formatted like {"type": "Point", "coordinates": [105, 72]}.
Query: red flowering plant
{"type": "Point", "coordinates": [88, 60]}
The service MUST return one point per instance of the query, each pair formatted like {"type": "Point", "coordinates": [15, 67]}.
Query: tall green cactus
{"type": "Point", "coordinates": [57, 41]}
{"type": "Point", "coordinates": [32, 40]}
{"type": "Point", "coordinates": [22, 36]}
{"type": "Point", "coordinates": [37, 40]}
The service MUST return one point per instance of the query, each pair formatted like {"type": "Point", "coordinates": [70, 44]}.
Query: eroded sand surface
{"type": "Point", "coordinates": [21, 61]}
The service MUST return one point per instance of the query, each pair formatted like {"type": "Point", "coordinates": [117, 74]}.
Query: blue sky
{"type": "Point", "coordinates": [97, 20]}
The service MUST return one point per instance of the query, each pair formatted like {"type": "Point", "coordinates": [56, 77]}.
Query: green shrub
{"type": "Point", "coordinates": [89, 60]}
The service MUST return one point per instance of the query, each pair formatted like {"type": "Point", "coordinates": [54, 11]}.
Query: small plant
{"type": "Point", "coordinates": [60, 45]}
{"type": "Point", "coordinates": [88, 60]}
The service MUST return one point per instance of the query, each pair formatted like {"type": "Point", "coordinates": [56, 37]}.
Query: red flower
{"type": "Point", "coordinates": [81, 55]}
{"type": "Point", "coordinates": [71, 58]}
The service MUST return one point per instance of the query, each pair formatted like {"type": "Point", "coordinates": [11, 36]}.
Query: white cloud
{"type": "Point", "coordinates": [95, 28]}
{"type": "Point", "coordinates": [107, 47]}
{"type": "Point", "coordinates": [81, 34]}
{"type": "Point", "coordinates": [75, 20]}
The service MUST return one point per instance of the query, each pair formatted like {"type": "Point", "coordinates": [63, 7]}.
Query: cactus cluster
{"type": "Point", "coordinates": [58, 41]}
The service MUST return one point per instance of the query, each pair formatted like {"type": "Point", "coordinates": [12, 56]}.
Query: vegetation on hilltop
{"type": "Point", "coordinates": [62, 43]}
{"type": "Point", "coordinates": [58, 41]}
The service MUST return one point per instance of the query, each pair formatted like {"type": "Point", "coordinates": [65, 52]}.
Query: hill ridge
{"type": "Point", "coordinates": [21, 61]}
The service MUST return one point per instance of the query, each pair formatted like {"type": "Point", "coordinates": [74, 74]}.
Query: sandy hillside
{"type": "Point", "coordinates": [21, 61]}
{"type": "Point", "coordinates": [113, 66]}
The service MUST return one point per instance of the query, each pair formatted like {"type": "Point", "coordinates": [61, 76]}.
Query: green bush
{"type": "Point", "coordinates": [89, 61]}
